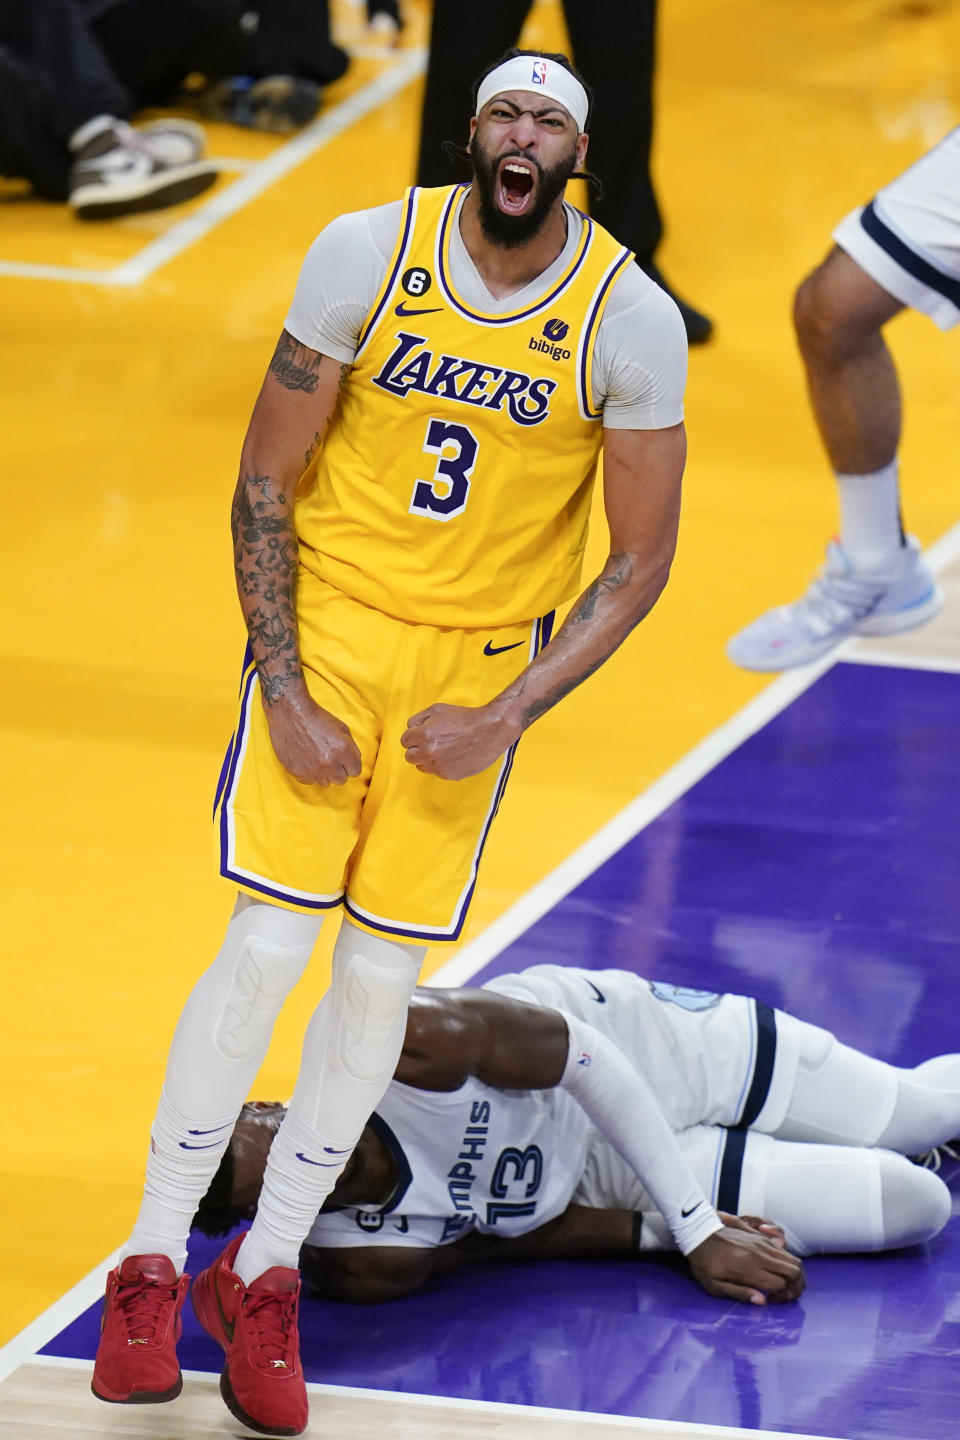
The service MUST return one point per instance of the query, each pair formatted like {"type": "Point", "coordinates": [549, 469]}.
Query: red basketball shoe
{"type": "Point", "coordinates": [137, 1355]}
{"type": "Point", "coordinates": [262, 1382]}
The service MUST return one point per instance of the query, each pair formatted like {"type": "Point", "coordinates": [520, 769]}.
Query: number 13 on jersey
{"type": "Point", "coordinates": [445, 495]}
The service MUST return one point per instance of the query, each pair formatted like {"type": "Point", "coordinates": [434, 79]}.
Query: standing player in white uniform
{"type": "Point", "coordinates": [901, 249]}
{"type": "Point", "coordinates": [494, 1139]}
{"type": "Point", "coordinates": [412, 505]}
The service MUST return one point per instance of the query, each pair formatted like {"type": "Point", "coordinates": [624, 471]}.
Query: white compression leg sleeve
{"type": "Point", "coordinates": [350, 1052]}
{"type": "Point", "coordinates": [927, 1109]}
{"type": "Point", "coordinates": [217, 1049]}
{"type": "Point", "coordinates": [843, 1097]}
{"type": "Point", "coordinates": [840, 1096]}
{"type": "Point", "coordinates": [833, 1198]}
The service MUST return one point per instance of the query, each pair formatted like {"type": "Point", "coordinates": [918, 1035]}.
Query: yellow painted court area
{"type": "Point", "coordinates": [122, 409]}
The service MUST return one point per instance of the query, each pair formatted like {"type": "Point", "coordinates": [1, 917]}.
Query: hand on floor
{"type": "Point", "coordinates": [741, 1262]}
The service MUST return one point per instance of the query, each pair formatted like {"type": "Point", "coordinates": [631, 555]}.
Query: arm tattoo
{"type": "Point", "coordinates": [295, 365]}
{"type": "Point", "coordinates": [265, 558]}
{"type": "Point", "coordinates": [617, 574]}
{"type": "Point", "coordinates": [318, 435]}
{"type": "Point", "coordinates": [265, 550]}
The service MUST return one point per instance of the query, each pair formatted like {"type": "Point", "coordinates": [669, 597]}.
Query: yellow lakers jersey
{"type": "Point", "coordinates": [453, 487]}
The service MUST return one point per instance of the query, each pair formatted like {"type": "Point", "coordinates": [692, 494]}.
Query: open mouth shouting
{"type": "Point", "coordinates": [516, 185]}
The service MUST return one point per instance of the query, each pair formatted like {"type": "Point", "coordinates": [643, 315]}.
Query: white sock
{"type": "Point", "coordinates": [217, 1049]}
{"type": "Point", "coordinates": [179, 1172]}
{"type": "Point", "coordinates": [350, 1052]}
{"type": "Point", "coordinates": [870, 522]}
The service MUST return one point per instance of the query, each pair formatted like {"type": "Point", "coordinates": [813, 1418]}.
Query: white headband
{"type": "Point", "coordinates": [545, 77]}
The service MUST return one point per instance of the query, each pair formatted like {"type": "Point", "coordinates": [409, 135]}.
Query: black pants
{"type": "Point", "coordinates": [613, 47]}
{"type": "Point", "coordinates": [64, 61]}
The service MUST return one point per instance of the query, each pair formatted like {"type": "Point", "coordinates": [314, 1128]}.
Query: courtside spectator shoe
{"type": "Point", "coordinates": [262, 1382]}
{"type": "Point", "coordinates": [278, 104]}
{"type": "Point", "coordinates": [118, 170]}
{"type": "Point", "coordinates": [840, 603]}
{"type": "Point", "coordinates": [137, 1355]}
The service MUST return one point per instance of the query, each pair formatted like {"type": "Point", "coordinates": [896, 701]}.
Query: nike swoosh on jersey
{"type": "Point", "coordinates": [403, 311]}
{"type": "Point", "coordinates": [600, 998]}
{"type": "Point", "coordinates": [685, 1214]}
{"type": "Point", "coordinates": [490, 649]}
{"type": "Point", "coordinates": [326, 1165]}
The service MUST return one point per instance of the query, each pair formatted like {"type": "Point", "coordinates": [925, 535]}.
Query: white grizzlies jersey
{"type": "Point", "coordinates": [500, 1161]}
{"type": "Point", "coordinates": [710, 1059]}
{"type": "Point", "coordinates": [506, 1162]}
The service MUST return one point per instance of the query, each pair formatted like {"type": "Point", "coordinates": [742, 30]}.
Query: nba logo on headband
{"type": "Point", "coordinates": [539, 72]}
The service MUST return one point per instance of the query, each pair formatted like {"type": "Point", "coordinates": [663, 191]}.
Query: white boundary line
{"type": "Point", "coordinates": [23, 1347]}
{"type": "Point", "coordinates": [663, 792]}
{"type": "Point", "coordinates": [945, 551]}
{"type": "Point", "coordinates": [894, 660]}
{"type": "Point", "coordinates": [628, 823]}
{"type": "Point", "coordinates": [683, 1429]}
{"type": "Point", "coordinates": [234, 197]}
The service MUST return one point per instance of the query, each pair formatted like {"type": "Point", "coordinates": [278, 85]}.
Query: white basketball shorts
{"type": "Point", "coordinates": [907, 238]}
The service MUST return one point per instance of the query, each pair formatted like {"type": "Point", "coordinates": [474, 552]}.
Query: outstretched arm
{"type": "Point", "coordinates": [510, 1045]}
{"type": "Point", "coordinates": [293, 410]}
{"type": "Point", "coordinates": [376, 1273]}
{"type": "Point", "coordinates": [642, 471]}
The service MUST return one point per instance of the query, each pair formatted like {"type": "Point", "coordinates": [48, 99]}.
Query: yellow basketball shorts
{"type": "Point", "coordinates": [398, 849]}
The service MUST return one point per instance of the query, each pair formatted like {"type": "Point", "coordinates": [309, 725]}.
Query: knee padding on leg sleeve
{"type": "Point", "coordinates": [375, 979]}
{"type": "Point", "coordinates": [270, 951]}
{"type": "Point", "coordinates": [915, 1202]}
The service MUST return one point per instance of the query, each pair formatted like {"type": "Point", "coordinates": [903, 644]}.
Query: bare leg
{"type": "Point", "coordinates": [876, 582]}
{"type": "Point", "coordinates": [851, 377]}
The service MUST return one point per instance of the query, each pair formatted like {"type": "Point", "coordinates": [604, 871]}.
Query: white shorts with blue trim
{"type": "Point", "coordinates": [907, 238]}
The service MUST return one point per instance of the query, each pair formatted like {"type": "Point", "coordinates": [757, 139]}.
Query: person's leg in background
{"type": "Point", "coordinates": [464, 39]}
{"type": "Point", "coordinates": [614, 46]}
{"type": "Point", "coordinates": [29, 148]}
{"type": "Point", "coordinates": [80, 106]}
{"type": "Point", "coordinates": [265, 63]}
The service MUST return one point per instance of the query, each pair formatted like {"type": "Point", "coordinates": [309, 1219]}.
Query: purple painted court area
{"type": "Point", "coordinates": [819, 869]}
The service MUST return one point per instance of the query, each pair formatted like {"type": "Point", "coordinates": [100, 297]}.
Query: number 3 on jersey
{"type": "Point", "coordinates": [445, 495]}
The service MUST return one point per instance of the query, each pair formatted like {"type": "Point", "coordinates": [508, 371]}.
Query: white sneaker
{"type": "Point", "coordinates": [121, 170]}
{"type": "Point", "coordinates": [838, 604]}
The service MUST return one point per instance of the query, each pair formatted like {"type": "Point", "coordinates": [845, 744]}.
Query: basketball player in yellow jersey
{"type": "Point", "coordinates": [450, 367]}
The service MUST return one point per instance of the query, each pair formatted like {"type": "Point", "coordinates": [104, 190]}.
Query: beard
{"type": "Point", "coordinates": [510, 230]}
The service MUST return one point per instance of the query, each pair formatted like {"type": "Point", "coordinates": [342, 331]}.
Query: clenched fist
{"type": "Point", "coordinates": [313, 745]}
{"type": "Point", "coordinates": [454, 741]}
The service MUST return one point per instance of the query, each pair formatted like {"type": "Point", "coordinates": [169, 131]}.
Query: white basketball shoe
{"type": "Point", "coordinates": [119, 170]}
{"type": "Point", "coordinates": [838, 604]}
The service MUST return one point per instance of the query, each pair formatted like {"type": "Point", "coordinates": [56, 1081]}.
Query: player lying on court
{"type": "Point", "coordinates": [562, 1113]}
